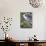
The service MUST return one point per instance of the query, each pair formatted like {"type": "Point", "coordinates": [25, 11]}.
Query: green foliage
{"type": "Point", "coordinates": [25, 24]}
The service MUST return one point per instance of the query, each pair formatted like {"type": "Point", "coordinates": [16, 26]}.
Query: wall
{"type": "Point", "coordinates": [12, 8]}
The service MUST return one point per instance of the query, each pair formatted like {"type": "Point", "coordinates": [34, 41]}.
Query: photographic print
{"type": "Point", "coordinates": [26, 19]}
